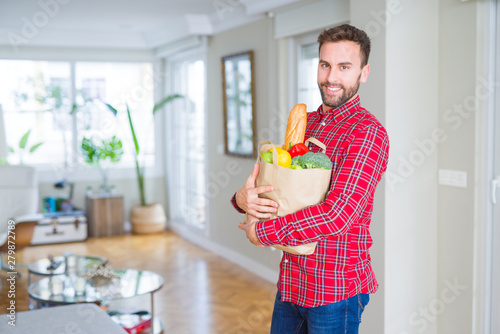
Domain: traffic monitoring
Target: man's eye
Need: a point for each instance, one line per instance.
(344, 67)
(325, 65)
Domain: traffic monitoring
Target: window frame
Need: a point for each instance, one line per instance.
(47, 173)
(295, 44)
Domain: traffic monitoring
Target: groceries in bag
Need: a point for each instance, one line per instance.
(304, 182)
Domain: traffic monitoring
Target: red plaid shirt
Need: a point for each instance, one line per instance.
(340, 267)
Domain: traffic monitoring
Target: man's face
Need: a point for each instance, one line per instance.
(340, 73)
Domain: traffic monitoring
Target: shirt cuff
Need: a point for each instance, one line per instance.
(235, 205)
(266, 232)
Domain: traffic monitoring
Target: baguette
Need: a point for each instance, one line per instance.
(296, 127)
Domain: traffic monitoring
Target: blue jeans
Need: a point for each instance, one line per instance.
(341, 317)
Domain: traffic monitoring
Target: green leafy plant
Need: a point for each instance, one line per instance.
(111, 149)
(140, 169)
(96, 154)
(23, 147)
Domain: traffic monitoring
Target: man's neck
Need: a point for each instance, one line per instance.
(327, 108)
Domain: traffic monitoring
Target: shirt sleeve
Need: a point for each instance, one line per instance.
(235, 205)
(353, 185)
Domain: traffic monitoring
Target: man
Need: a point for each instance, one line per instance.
(326, 292)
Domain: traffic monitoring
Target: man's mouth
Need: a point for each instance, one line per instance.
(333, 90)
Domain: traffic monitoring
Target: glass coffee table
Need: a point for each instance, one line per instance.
(43, 267)
(70, 289)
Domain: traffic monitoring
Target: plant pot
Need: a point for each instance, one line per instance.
(148, 219)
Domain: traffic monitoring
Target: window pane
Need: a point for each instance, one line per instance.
(118, 84)
(308, 91)
(36, 97)
(188, 201)
(239, 105)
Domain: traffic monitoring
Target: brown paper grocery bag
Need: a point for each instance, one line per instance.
(293, 189)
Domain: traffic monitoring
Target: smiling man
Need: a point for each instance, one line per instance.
(326, 292)
(342, 68)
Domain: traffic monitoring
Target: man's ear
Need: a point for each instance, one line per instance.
(364, 73)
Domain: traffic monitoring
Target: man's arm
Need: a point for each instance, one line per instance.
(353, 183)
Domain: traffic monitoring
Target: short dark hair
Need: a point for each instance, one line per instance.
(346, 32)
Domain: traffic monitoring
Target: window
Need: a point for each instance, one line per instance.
(35, 96)
(61, 102)
(307, 83)
(186, 143)
(98, 82)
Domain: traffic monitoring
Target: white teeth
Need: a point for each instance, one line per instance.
(333, 89)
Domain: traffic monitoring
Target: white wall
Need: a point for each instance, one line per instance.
(431, 70)
(411, 182)
(458, 79)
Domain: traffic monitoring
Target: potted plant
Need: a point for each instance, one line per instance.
(145, 217)
(110, 149)
(23, 148)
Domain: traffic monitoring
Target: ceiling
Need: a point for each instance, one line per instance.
(127, 24)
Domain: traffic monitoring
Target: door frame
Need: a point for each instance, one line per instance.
(488, 39)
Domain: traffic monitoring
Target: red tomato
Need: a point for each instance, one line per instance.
(298, 149)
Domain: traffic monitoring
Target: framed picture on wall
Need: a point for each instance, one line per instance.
(239, 104)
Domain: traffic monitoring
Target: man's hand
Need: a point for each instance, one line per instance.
(249, 229)
(247, 197)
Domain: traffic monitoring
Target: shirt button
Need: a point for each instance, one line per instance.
(323, 123)
(286, 260)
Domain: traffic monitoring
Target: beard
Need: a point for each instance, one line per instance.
(337, 101)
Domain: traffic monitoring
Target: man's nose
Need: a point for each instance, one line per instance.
(333, 76)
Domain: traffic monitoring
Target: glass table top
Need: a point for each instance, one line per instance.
(62, 289)
(82, 264)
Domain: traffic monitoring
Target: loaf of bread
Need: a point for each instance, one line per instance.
(296, 127)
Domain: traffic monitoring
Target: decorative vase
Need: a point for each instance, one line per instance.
(148, 219)
(105, 186)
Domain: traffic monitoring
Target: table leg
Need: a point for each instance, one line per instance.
(152, 306)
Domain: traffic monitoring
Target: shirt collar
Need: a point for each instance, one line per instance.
(342, 111)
